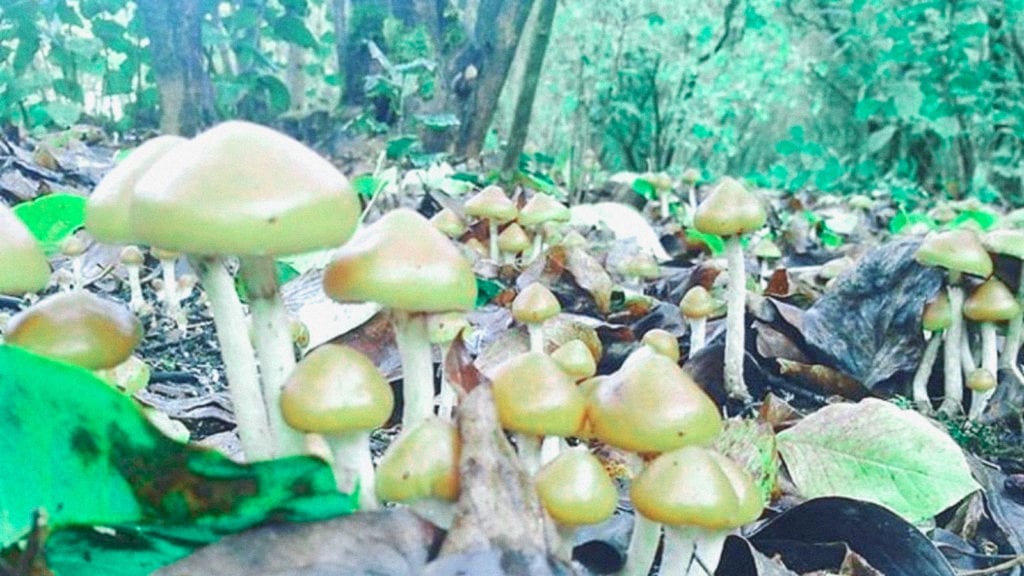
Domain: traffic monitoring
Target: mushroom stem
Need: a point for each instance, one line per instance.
(447, 398)
(954, 381)
(413, 341)
(353, 468)
(239, 359)
(643, 545)
(919, 386)
(536, 337)
(735, 331)
(529, 452)
(990, 362)
(550, 448)
(274, 348)
(536, 248)
(967, 362)
(137, 302)
(692, 551)
(698, 331)
(172, 304)
(492, 232)
(663, 200)
(1011, 348)
(693, 198)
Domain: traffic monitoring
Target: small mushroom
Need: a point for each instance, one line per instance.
(662, 342)
(421, 469)
(990, 303)
(697, 306)
(492, 205)
(575, 490)
(575, 359)
(540, 210)
(533, 306)
(512, 242)
(1010, 243)
(934, 320)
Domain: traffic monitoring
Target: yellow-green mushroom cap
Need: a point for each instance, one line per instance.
(243, 189)
(575, 489)
(955, 250)
(491, 203)
(937, 314)
(693, 487)
(690, 176)
(575, 359)
(449, 223)
(23, 266)
(336, 389)
(401, 261)
(730, 210)
(981, 380)
(78, 328)
(543, 208)
(423, 462)
(651, 405)
(991, 302)
(108, 209)
(535, 304)
(1005, 242)
(697, 303)
(534, 396)
(513, 239)
(662, 342)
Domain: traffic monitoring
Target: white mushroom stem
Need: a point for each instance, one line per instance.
(919, 386)
(954, 380)
(698, 332)
(77, 279)
(990, 362)
(492, 233)
(353, 467)
(692, 551)
(413, 341)
(529, 447)
(537, 247)
(663, 199)
(1011, 348)
(735, 327)
(446, 399)
(172, 305)
(239, 359)
(967, 363)
(693, 199)
(137, 302)
(643, 545)
(550, 448)
(536, 337)
(275, 350)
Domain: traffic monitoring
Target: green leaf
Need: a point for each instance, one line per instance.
(982, 218)
(401, 146)
(52, 218)
(64, 114)
(877, 452)
(911, 223)
(866, 108)
(292, 29)
(79, 449)
(486, 290)
(713, 242)
(878, 140)
(644, 188)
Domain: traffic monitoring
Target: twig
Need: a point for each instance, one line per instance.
(1001, 567)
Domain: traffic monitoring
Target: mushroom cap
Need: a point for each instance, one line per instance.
(78, 328)
(660, 181)
(697, 303)
(575, 489)
(981, 380)
(956, 250)
(513, 239)
(639, 264)
(443, 328)
(651, 405)
(1005, 242)
(543, 208)
(575, 359)
(108, 209)
(449, 223)
(690, 176)
(729, 210)
(534, 396)
(535, 304)
(23, 266)
(695, 486)
(243, 189)
(767, 250)
(662, 342)
(991, 302)
(336, 389)
(423, 462)
(402, 262)
(131, 255)
(491, 203)
(937, 314)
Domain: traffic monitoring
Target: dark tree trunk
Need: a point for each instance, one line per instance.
(339, 19)
(528, 90)
(174, 28)
(365, 22)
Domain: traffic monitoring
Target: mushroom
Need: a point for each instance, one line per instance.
(491, 204)
(449, 223)
(208, 199)
(132, 260)
(407, 265)
(697, 306)
(540, 210)
(766, 252)
(172, 301)
(78, 328)
(73, 248)
(934, 320)
(575, 359)
(533, 306)
(512, 241)
(575, 490)
(958, 251)
(990, 303)
(690, 178)
(662, 342)
(731, 211)
(23, 266)
(421, 469)
(661, 184)
(442, 329)
(337, 392)
(1010, 243)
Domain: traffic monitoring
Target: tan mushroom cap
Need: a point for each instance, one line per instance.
(543, 208)
(423, 462)
(662, 342)
(449, 223)
(697, 303)
(402, 262)
(131, 255)
(690, 176)
(491, 203)
(767, 249)
(78, 328)
(981, 380)
(535, 304)
(1005, 242)
(937, 314)
(729, 210)
(108, 209)
(575, 489)
(243, 189)
(991, 302)
(651, 405)
(575, 359)
(513, 239)
(695, 486)
(23, 266)
(534, 396)
(336, 389)
(955, 250)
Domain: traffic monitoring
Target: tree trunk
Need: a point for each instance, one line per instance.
(339, 19)
(174, 28)
(528, 90)
(365, 22)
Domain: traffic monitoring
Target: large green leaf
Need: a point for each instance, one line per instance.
(877, 452)
(83, 452)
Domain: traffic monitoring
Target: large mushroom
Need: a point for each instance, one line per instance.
(731, 211)
(990, 303)
(403, 263)
(23, 266)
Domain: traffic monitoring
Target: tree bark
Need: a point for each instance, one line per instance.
(365, 22)
(339, 19)
(174, 28)
(528, 90)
